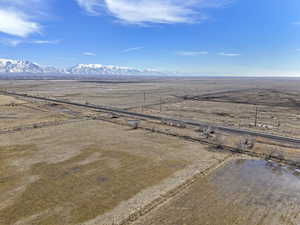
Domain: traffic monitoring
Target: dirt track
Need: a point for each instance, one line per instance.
(242, 192)
(101, 173)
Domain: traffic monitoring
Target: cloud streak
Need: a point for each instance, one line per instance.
(229, 54)
(91, 6)
(15, 42)
(296, 23)
(154, 11)
(89, 54)
(10, 42)
(49, 42)
(191, 53)
(132, 49)
(21, 18)
(15, 23)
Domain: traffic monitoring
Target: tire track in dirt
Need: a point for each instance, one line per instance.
(173, 193)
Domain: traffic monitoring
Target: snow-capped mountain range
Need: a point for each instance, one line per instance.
(14, 66)
(20, 66)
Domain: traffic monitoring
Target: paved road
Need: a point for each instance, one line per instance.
(146, 116)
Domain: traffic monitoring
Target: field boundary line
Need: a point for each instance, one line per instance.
(173, 193)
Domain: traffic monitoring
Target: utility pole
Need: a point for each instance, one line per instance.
(160, 104)
(144, 104)
(256, 109)
(256, 114)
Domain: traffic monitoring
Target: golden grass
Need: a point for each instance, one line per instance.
(5, 100)
(69, 192)
(9, 176)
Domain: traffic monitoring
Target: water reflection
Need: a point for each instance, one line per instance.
(243, 192)
(276, 168)
(263, 183)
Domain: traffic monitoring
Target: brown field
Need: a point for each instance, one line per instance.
(77, 172)
(230, 102)
(242, 192)
(7, 100)
(61, 164)
(22, 116)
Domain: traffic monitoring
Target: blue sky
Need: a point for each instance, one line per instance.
(207, 37)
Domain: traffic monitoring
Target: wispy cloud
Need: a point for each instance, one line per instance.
(131, 49)
(49, 42)
(191, 53)
(229, 54)
(89, 54)
(15, 23)
(10, 42)
(22, 18)
(296, 23)
(152, 11)
(93, 7)
(13, 42)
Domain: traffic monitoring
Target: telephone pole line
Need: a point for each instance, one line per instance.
(160, 104)
(144, 104)
(256, 114)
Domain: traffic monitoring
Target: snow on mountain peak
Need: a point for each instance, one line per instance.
(19, 66)
(89, 66)
(98, 69)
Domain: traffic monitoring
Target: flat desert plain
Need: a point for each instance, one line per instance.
(62, 164)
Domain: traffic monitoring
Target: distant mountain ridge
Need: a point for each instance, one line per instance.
(20, 66)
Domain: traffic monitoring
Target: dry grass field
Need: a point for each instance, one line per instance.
(61, 164)
(75, 173)
(242, 192)
(226, 101)
(277, 111)
(22, 116)
(7, 100)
